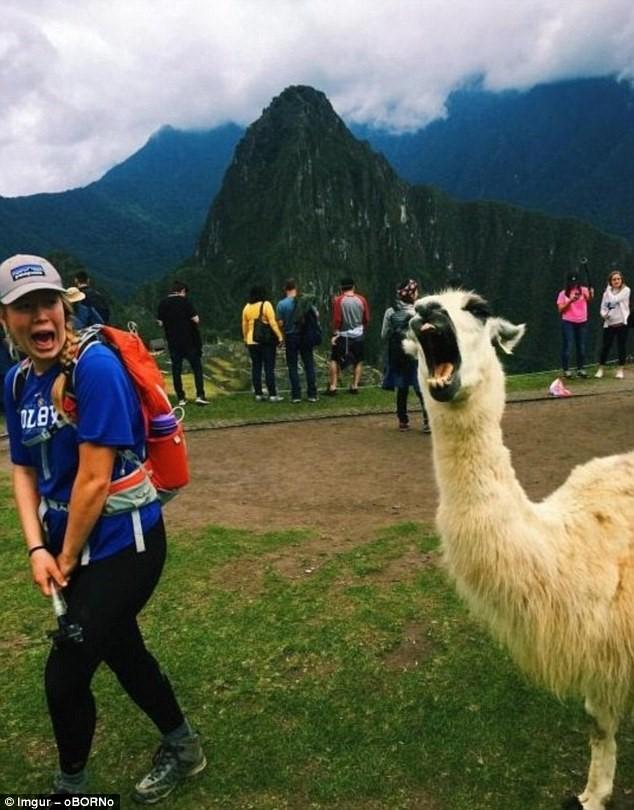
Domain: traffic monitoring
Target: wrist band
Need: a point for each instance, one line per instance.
(36, 548)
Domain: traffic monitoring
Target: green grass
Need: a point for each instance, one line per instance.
(232, 403)
(362, 684)
(240, 407)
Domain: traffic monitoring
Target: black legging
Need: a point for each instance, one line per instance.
(401, 404)
(609, 333)
(105, 597)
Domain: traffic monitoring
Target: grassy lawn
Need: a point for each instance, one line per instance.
(240, 407)
(361, 685)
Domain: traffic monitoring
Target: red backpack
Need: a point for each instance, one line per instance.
(166, 462)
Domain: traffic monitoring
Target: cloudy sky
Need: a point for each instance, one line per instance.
(84, 83)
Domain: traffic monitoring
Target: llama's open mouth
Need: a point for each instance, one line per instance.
(438, 341)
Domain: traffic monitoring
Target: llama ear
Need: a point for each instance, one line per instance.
(506, 334)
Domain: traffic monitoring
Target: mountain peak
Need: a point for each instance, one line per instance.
(300, 107)
(302, 96)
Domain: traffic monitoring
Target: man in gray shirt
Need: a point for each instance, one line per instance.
(350, 318)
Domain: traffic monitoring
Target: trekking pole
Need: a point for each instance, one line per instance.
(584, 262)
(66, 631)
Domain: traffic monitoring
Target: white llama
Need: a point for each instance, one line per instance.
(554, 581)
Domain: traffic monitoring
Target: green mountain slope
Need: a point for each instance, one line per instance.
(139, 220)
(566, 148)
(303, 197)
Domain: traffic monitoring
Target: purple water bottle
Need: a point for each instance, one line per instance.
(163, 425)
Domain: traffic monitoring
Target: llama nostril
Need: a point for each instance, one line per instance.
(426, 310)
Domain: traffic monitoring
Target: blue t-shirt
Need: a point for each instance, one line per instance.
(285, 312)
(108, 414)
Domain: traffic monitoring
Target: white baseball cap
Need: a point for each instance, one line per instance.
(20, 275)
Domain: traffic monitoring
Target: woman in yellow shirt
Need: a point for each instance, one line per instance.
(262, 354)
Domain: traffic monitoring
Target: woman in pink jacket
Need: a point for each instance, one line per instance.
(572, 304)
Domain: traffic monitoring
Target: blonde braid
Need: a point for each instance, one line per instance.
(66, 358)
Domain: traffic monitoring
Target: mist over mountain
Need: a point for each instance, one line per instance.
(565, 148)
(304, 198)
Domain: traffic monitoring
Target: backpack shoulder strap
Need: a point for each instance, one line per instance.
(87, 337)
(19, 380)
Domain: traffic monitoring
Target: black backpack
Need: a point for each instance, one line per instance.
(307, 324)
(398, 323)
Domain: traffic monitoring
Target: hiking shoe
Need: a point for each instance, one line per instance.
(171, 764)
(599, 374)
(65, 784)
(202, 401)
(296, 401)
(426, 427)
(620, 374)
(182, 402)
(567, 374)
(260, 398)
(312, 399)
(352, 390)
(330, 392)
(581, 372)
(276, 399)
(403, 425)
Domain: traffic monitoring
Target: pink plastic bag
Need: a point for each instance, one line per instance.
(558, 389)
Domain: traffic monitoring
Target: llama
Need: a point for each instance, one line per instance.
(554, 580)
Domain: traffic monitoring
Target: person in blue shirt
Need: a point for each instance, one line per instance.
(286, 312)
(91, 520)
(84, 315)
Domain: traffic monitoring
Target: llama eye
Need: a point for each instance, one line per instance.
(479, 308)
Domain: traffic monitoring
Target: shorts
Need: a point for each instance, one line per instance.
(347, 351)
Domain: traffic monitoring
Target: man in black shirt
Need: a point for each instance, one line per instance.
(179, 319)
(93, 297)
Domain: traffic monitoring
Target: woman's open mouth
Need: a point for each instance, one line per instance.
(43, 340)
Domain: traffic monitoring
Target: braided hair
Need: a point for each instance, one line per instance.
(66, 358)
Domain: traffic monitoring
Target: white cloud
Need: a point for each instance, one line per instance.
(85, 84)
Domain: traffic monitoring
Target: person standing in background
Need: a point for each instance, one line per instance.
(402, 369)
(291, 313)
(83, 314)
(350, 319)
(93, 297)
(615, 311)
(263, 355)
(179, 319)
(572, 305)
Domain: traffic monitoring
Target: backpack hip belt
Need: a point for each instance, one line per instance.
(126, 494)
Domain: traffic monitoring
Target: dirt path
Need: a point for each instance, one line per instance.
(347, 477)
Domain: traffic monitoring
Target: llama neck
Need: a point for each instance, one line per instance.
(473, 467)
(482, 512)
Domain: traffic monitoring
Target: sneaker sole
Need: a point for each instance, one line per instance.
(141, 799)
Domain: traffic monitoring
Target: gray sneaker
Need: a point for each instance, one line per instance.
(171, 763)
(70, 785)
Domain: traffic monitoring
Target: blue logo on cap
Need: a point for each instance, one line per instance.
(26, 271)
